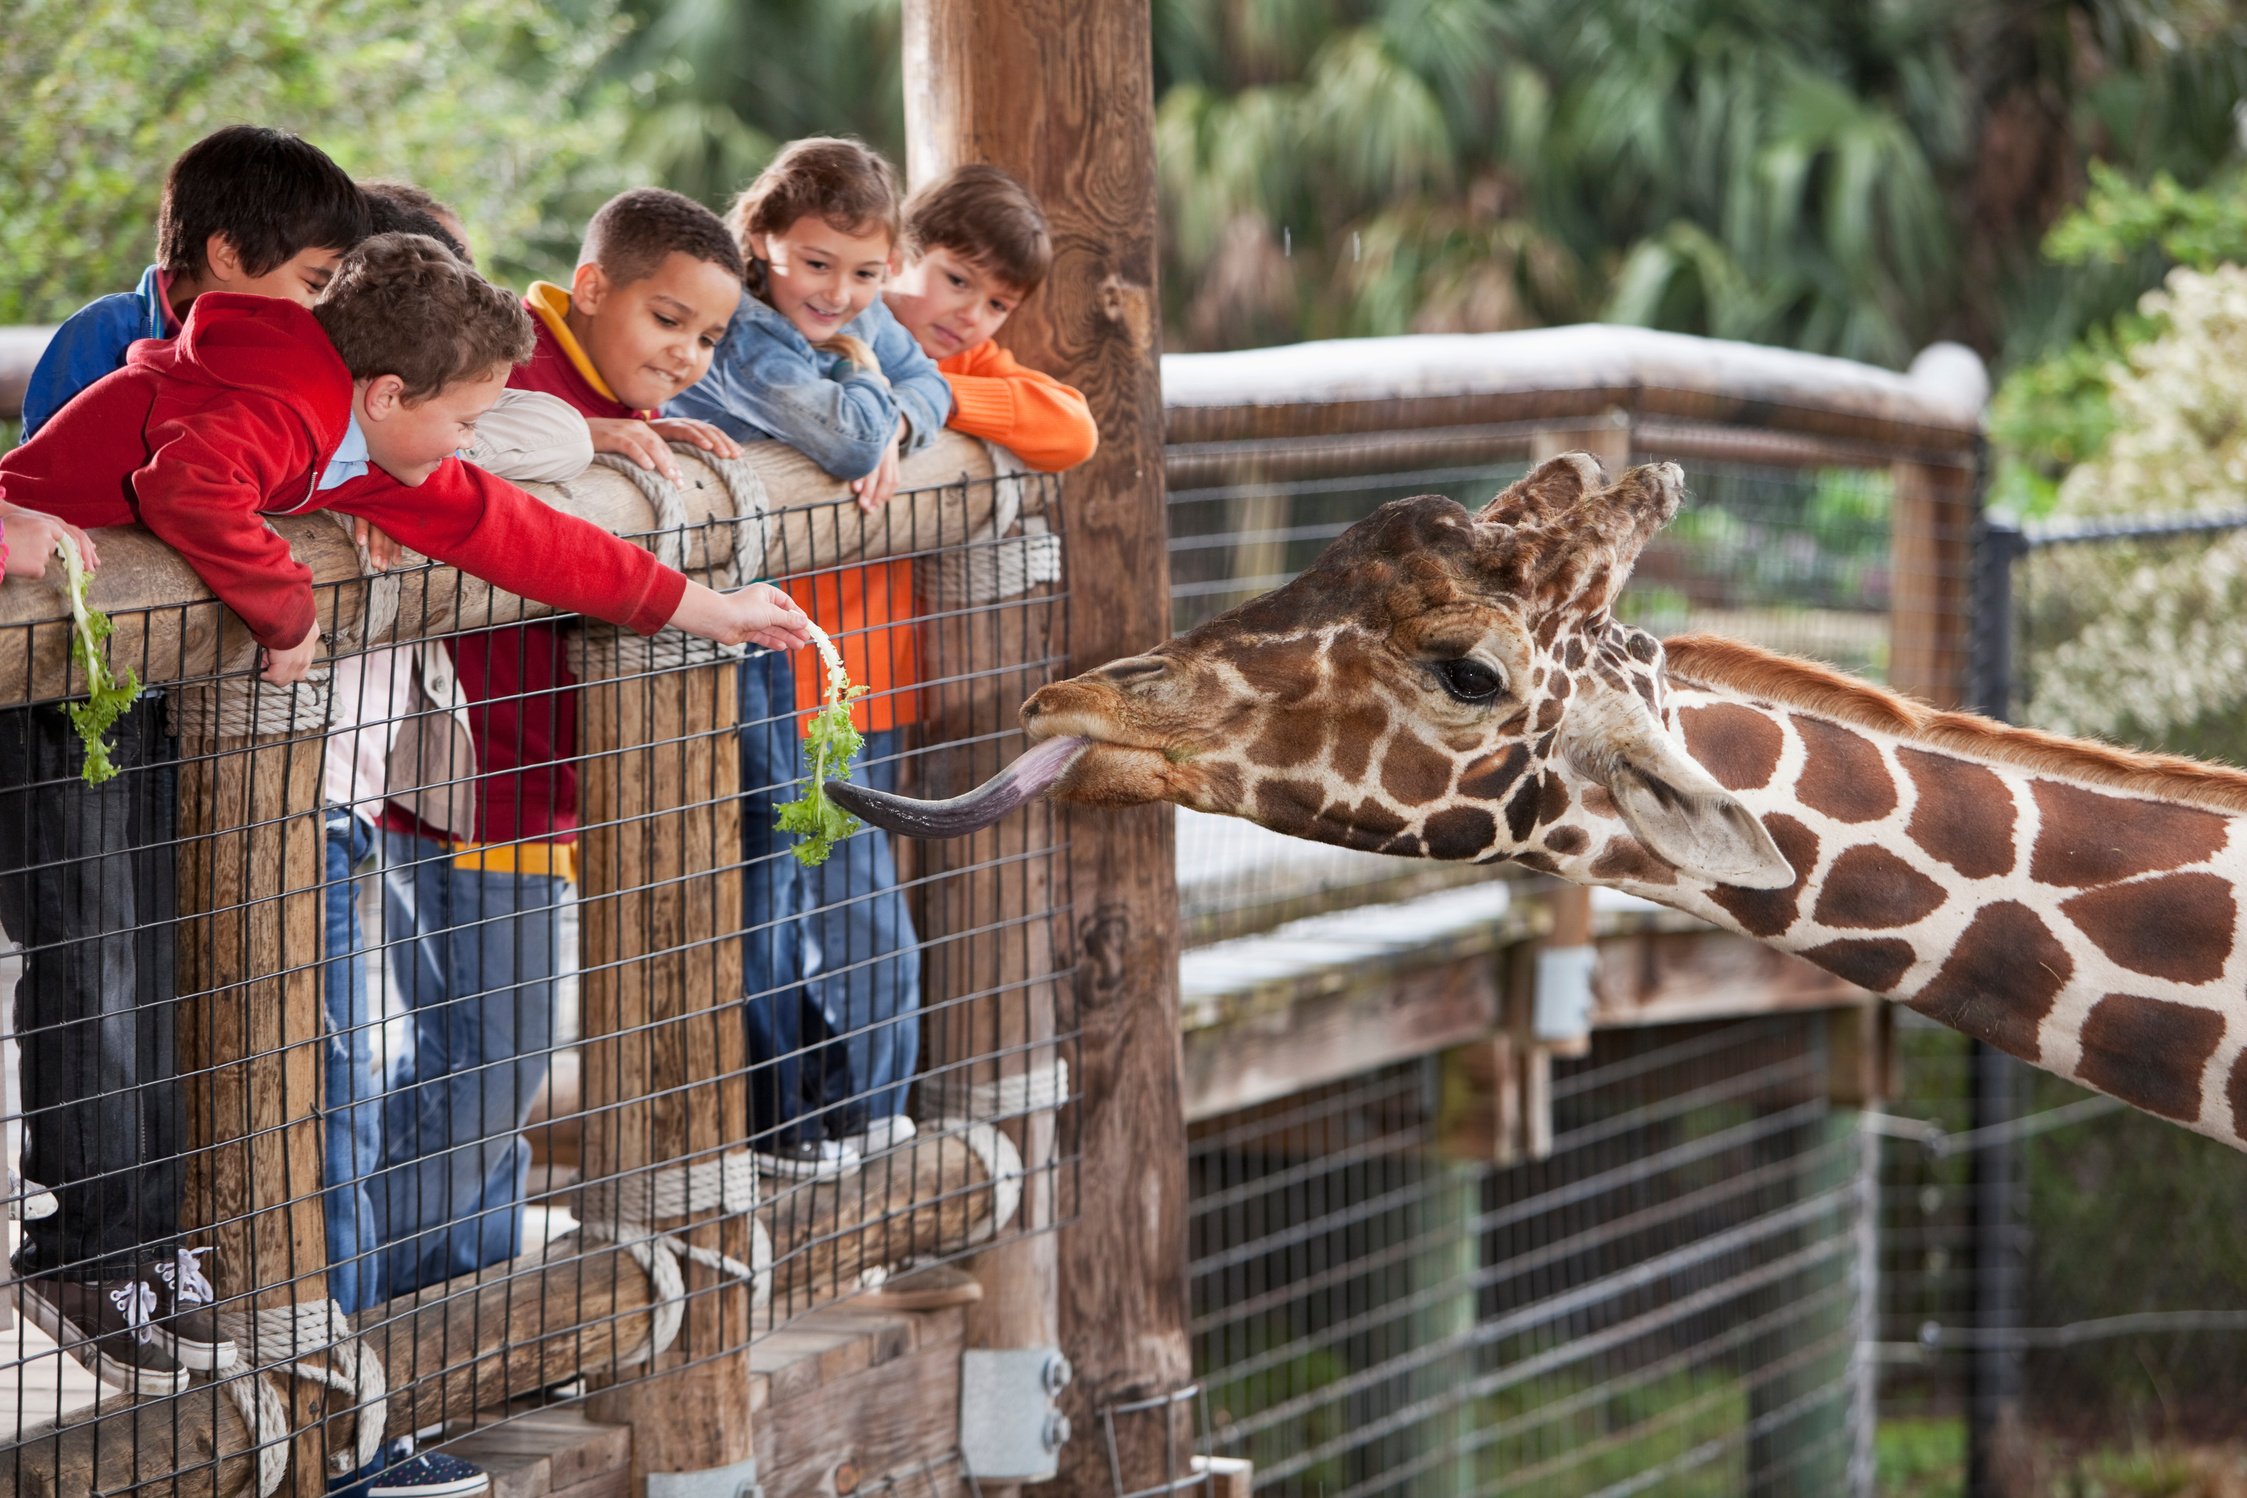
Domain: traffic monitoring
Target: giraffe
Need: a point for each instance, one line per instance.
(1455, 686)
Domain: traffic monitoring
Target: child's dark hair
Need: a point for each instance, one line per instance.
(634, 230)
(987, 218)
(404, 305)
(402, 208)
(271, 194)
(843, 182)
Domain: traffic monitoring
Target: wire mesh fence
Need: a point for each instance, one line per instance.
(456, 1035)
(1669, 1302)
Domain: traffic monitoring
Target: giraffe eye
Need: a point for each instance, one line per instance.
(1470, 680)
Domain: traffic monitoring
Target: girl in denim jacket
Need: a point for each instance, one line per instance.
(814, 359)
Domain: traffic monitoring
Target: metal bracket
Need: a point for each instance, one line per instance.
(736, 1481)
(1564, 992)
(1010, 1426)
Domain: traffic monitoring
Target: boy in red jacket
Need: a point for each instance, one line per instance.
(261, 408)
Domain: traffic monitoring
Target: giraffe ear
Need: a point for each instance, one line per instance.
(1688, 820)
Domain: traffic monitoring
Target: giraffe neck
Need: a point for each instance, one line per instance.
(2081, 915)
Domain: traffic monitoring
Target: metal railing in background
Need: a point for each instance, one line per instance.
(663, 1230)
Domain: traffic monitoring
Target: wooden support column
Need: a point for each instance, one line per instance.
(1062, 95)
(1931, 547)
(250, 865)
(660, 925)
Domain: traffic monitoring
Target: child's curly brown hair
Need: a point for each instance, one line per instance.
(404, 305)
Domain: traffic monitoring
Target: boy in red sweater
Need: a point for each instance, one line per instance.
(261, 408)
(472, 918)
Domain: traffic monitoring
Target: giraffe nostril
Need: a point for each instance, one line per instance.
(1136, 671)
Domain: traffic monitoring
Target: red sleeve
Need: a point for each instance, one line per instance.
(1026, 411)
(463, 516)
(200, 492)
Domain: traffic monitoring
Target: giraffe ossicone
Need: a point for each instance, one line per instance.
(1449, 685)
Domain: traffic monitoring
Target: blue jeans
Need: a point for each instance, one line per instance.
(778, 951)
(475, 954)
(352, 1114)
(868, 987)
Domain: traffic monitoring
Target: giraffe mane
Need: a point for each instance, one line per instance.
(1712, 661)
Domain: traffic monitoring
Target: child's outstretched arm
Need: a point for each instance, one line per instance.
(759, 614)
(27, 541)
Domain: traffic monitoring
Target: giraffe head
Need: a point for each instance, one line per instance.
(1438, 684)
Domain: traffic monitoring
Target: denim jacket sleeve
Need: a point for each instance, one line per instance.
(86, 347)
(922, 393)
(761, 385)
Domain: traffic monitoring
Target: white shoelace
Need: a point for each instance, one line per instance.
(185, 1276)
(136, 1302)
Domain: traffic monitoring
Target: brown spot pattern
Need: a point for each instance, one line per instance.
(2149, 1052)
(1842, 773)
(1878, 964)
(2238, 1091)
(1567, 840)
(2000, 980)
(1459, 832)
(1288, 805)
(1521, 811)
(1414, 772)
(1737, 745)
(2087, 837)
(1288, 740)
(1964, 816)
(1552, 799)
(1373, 817)
(2176, 927)
(1489, 779)
(1871, 889)
(1598, 802)
(1767, 912)
(1626, 858)
(1548, 715)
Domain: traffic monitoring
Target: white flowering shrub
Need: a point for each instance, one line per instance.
(2147, 642)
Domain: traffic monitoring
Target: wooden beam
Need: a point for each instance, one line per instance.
(1324, 1034)
(1662, 977)
(167, 628)
(852, 1397)
(565, 1309)
(1062, 95)
(1931, 553)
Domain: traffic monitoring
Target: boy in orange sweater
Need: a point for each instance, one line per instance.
(979, 247)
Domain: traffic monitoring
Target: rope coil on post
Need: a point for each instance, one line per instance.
(726, 1185)
(951, 1095)
(293, 1333)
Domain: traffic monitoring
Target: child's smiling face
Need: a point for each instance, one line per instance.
(652, 338)
(949, 303)
(820, 277)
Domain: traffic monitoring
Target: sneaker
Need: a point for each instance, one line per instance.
(186, 1327)
(108, 1327)
(430, 1474)
(883, 1134)
(813, 1160)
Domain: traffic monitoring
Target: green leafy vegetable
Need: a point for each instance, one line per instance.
(106, 696)
(832, 743)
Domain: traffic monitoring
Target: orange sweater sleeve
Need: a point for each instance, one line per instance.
(1033, 415)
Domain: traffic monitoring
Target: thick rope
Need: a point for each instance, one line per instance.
(993, 564)
(292, 1333)
(1002, 1165)
(951, 1095)
(600, 650)
(620, 1211)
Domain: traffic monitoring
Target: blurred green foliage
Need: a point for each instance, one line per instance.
(490, 104)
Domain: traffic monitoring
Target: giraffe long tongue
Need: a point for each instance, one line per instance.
(1027, 778)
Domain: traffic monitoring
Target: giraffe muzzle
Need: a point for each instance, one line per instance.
(1025, 780)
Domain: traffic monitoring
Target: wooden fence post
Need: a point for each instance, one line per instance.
(1062, 95)
(665, 1052)
(1931, 553)
(250, 867)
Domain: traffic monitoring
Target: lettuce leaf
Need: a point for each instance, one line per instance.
(107, 696)
(831, 744)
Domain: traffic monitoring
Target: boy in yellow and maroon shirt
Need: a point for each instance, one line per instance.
(638, 323)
